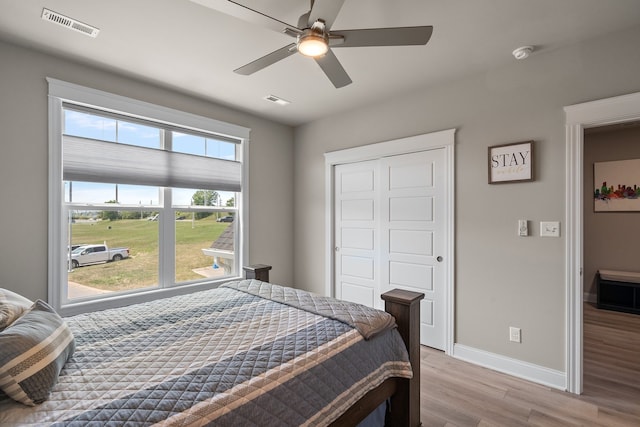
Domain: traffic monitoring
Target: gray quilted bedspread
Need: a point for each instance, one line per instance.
(368, 321)
(246, 354)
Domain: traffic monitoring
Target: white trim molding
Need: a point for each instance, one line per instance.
(442, 139)
(578, 117)
(517, 368)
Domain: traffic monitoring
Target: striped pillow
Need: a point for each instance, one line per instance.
(12, 306)
(33, 350)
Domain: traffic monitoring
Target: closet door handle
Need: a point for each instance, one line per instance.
(439, 259)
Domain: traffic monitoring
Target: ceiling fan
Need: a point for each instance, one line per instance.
(315, 39)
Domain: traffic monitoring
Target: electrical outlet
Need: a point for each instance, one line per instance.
(514, 334)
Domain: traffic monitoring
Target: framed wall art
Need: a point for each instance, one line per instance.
(616, 186)
(511, 162)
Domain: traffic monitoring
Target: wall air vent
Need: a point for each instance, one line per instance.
(70, 23)
(277, 100)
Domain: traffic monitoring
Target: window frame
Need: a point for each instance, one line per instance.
(68, 93)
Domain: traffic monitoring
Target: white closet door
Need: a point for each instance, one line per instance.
(356, 213)
(390, 233)
(412, 234)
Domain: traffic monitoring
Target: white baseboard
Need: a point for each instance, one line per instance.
(515, 367)
(592, 298)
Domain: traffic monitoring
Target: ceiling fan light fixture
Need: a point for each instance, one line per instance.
(312, 45)
(314, 38)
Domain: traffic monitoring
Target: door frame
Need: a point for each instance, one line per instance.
(578, 117)
(444, 139)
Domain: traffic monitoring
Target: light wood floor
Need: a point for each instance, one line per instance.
(456, 393)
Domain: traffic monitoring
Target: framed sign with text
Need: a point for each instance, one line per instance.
(511, 162)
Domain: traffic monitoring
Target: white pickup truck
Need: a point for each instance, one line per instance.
(93, 254)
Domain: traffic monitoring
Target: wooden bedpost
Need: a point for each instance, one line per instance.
(405, 307)
(257, 271)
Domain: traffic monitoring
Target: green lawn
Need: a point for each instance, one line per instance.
(141, 237)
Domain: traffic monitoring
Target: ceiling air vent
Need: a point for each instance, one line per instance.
(70, 23)
(277, 100)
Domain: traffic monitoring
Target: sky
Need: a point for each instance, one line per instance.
(87, 125)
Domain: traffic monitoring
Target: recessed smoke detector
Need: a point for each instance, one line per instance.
(277, 100)
(70, 23)
(522, 52)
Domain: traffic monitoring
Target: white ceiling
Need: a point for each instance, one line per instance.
(186, 46)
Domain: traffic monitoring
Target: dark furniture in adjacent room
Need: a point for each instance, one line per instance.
(618, 290)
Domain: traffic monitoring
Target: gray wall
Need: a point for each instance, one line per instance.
(611, 239)
(502, 280)
(24, 165)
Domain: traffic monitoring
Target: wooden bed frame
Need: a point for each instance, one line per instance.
(404, 393)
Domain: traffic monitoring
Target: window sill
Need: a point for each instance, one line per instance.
(103, 302)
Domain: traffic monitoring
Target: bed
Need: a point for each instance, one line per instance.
(247, 353)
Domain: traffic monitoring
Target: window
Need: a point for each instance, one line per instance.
(140, 200)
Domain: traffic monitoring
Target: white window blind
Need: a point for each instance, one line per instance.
(101, 161)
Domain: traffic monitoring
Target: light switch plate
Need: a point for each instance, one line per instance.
(549, 228)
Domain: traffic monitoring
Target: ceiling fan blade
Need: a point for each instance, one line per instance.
(333, 69)
(327, 10)
(245, 13)
(399, 36)
(267, 60)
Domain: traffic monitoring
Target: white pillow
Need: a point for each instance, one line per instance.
(12, 306)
